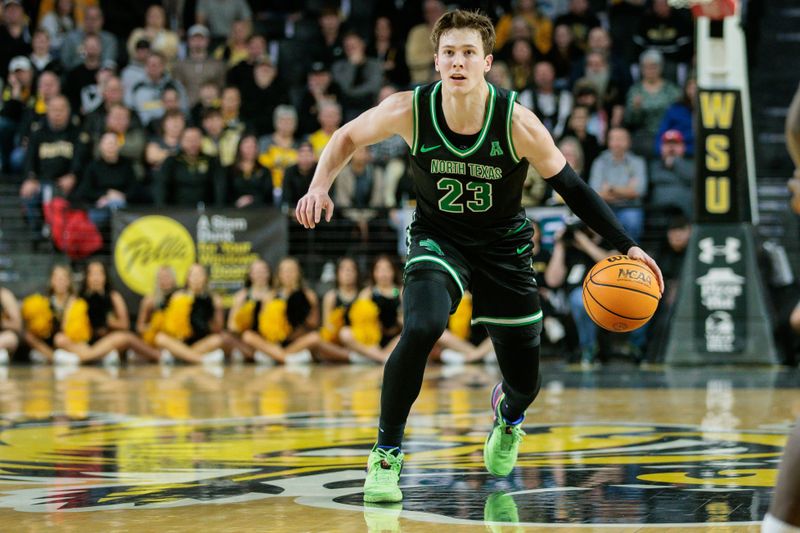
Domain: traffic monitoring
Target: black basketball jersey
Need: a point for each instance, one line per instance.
(468, 187)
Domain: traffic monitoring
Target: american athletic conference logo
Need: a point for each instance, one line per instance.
(644, 474)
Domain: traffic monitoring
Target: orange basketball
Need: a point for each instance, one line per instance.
(620, 294)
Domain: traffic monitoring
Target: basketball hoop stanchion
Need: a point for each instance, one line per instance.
(721, 314)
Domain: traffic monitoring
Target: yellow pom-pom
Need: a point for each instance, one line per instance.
(243, 318)
(460, 320)
(76, 321)
(177, 321)
(156, 325)
(273, 323)
(330, 331)
(38, 316)
(364, 319)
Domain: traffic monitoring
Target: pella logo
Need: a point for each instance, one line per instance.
(634, 275)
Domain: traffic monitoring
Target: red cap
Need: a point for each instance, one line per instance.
(672, 136)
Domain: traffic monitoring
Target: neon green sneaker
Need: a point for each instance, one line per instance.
(383, 474)
(502, 444)
(383, 517)
(500, 510)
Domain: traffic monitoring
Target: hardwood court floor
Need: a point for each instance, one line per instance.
(242, 448)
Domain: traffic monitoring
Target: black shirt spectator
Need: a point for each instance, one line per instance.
(243, 71)
(104, 174)
(261, 94)
(320, 87)
(249, 183)
(298, 177)
(15, 37)
(388, 50)
(84, 74)
(190, 177)
(581, 19)
(360, 77)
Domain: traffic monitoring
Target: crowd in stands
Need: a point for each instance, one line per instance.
(229, 103)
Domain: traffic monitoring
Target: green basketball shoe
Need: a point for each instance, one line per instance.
(500, 510)
(502, 444)
(383, 475)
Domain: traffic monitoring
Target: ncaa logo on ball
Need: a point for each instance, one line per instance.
(636, 276)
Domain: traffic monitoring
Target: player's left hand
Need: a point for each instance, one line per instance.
(640, 255)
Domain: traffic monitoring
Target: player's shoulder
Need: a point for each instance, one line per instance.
(399, 102)
(525, 125)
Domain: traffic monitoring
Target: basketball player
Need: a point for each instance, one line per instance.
(793, 146)
(470, 149)
(784, 512)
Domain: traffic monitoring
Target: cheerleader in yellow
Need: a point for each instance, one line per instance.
(43, 314)
(193, 321)
(288, 322)
(151, 308)
(10, 325)
(96, 324)
(456, 345)
(376, 317)
(246, 306)
(337, 302)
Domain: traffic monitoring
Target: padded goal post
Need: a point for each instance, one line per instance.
(721, 314)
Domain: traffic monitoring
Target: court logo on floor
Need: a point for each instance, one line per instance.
(568, 474)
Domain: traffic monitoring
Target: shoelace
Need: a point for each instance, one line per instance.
(392, 462)
(508, 440)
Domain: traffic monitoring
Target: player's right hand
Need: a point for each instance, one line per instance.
(309, 208)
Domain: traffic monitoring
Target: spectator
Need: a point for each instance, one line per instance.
(202, 342)
(84, 74)
(390, 155)
(92, 94)
(197, 68)
(620, 178)
(219, 16)
(261, 95)
(581, 19)
(190, 178)
(541, 25)
(155, 31)
(10, 325)
(607, 89)
(319, 88)
(576, 250)
(360, 184)
(219, 141)
(298, 176)
(145, 97)
(130, 137)
(58, 23)
(249, 183)
(680, 116)
(390, 51)
(552, 106)
(230, 105)
(242, 72)
(33, 118)
(577, 128)
(235, 49)
(55, 155)
(135, 72)
(564, 54)
(520, 64)
(358, 76)
(586, 96)
(623, 18)
(620, 72)
(166, 144)
(330, 118)
(95, 122)
(106, 182)
(419, 49)
(15, 37)
(40, 57)
(279, 150)
(672, 176)
(327, 46)
(500, 76)
(17, 95)
(573, 153)
(520, 30)
(208, 97)
(92, 25)
(670, 32)
(647, 102)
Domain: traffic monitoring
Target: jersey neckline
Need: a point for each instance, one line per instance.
(487, 121)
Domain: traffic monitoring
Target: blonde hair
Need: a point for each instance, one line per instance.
(461, 19)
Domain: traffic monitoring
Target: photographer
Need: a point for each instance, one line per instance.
(576, 251)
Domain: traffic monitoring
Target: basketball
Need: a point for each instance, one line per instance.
(620, 294)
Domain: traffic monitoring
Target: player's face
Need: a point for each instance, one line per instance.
(460, 60)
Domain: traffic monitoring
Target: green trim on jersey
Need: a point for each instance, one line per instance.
(415, 127)
(441, 262)
(519, 321)
(511, 99)
(487, 121)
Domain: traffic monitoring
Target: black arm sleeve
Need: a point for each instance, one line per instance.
(586, 203)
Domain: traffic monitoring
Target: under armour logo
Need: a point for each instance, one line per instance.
(709, 250)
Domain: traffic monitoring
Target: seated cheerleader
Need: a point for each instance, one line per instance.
(246, 306)
(376, 317)
(458, 342)
(192, 322)
(288, 322)
(43, 314)
(337, 302)
(96, 324)
(151, 308)
(10, 325)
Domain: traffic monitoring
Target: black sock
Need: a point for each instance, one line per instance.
(390, 436)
